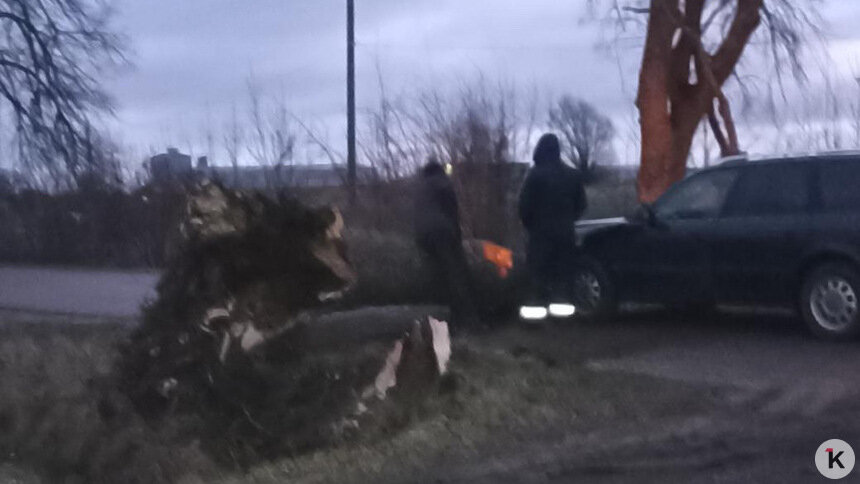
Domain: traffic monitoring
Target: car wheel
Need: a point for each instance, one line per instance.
(829, 301)
(593, 290)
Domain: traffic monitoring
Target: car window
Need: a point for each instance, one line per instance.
(699, 197)
(770, 190)
(840, 186)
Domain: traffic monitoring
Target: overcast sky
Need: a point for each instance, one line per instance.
(193, 57)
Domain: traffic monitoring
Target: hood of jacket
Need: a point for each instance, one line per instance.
(547, 151)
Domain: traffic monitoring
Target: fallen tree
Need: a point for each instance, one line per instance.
(224, 348)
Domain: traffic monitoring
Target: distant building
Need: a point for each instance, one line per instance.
(268, 177)
(170, 166)
(175, 166)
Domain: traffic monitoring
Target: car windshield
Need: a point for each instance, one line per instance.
(699, 197)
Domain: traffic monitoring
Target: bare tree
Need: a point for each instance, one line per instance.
(271, 140)
(53, 56)
(478, 123)
(820, 120)
(258, 136)
(692, 47)
(208, 134)
(233, 143)
(587, 134)
(479, 128)
(282, 141)
(103, 167)
(393, 146)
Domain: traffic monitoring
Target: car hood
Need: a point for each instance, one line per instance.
(589, 225)
(586, 227)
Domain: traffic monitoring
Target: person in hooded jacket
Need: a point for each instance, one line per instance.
(438, 236)
(551, 200)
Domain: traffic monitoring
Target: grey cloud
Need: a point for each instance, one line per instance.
(193, 57)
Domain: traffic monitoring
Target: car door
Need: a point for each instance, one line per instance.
(835, 219)
(668, 260)
(759, 238)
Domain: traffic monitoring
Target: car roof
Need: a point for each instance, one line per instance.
(745, 160)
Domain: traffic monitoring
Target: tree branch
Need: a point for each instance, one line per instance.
(641, 10)
(686, 45)
(747, 19)
(51, 50)
(713, 85)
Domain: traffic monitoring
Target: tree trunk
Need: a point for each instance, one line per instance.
(670, 106)
(657, 170)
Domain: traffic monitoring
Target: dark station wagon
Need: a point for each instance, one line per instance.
(781, 231)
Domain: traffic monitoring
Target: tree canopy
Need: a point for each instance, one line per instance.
(587, 133)
(54, 55)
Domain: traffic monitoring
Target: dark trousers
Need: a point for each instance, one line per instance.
(551, 258)
(451, 277)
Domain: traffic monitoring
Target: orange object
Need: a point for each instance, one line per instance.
(499, 256)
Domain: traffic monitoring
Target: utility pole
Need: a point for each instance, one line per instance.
(350, 97)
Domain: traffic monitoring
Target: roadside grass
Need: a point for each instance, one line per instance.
(505, 399)
(498, 398)
(62, 421)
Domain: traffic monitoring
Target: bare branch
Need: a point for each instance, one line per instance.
(747, 19)
(642, 10)
(587, 134)
(54, 54)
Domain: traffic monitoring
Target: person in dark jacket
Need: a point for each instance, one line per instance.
(438, 235)
(551, 201)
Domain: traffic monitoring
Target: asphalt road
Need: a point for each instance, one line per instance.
(75, 291)
(778, 393)
(764, 358)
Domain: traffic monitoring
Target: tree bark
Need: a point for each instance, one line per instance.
(670, 104)
(653, 103)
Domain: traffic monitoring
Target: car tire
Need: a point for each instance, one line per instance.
(593, 291)
(829, 301)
